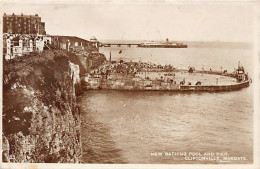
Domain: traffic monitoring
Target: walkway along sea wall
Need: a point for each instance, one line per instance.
(41, 120)
(215, 87)
(137, 83)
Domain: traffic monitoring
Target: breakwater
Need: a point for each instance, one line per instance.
(215, 87)
(41, 119)
(177, 80)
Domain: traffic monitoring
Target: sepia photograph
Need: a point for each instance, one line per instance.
(145, 84)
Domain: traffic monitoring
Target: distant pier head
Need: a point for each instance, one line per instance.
(148, 44)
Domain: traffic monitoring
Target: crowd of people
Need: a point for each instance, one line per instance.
(129, 68)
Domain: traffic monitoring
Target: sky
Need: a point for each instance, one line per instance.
(211, 21)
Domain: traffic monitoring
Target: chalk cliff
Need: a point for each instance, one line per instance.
(41, 120)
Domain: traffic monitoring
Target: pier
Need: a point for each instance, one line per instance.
(119, 44)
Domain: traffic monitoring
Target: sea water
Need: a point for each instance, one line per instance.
(167, 127)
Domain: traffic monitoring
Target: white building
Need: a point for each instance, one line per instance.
(18, 45)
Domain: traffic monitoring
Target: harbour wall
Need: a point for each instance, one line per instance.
(41, 119)
(136, 83)
(215, 87)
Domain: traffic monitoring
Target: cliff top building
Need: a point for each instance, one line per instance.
(23, 24)
(73, 43)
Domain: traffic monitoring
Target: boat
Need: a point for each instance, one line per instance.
(166, 44)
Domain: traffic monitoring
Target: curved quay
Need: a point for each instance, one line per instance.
(107, 84)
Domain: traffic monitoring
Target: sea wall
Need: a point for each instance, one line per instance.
(215, 87)
(41, 120)
(138, 83)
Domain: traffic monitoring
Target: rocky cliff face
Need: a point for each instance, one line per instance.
(41, 120)
(94, 60)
